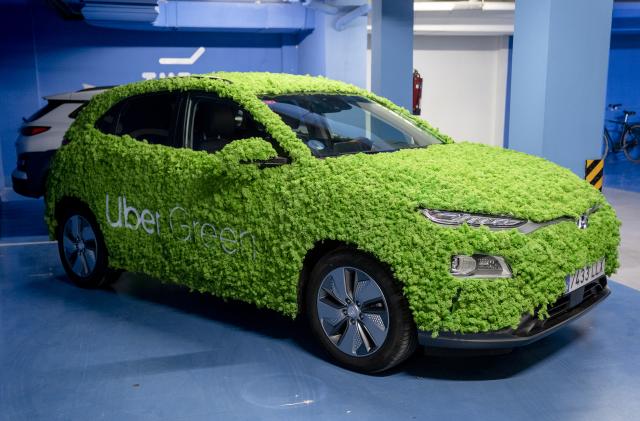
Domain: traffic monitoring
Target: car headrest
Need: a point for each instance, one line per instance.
(221, 120)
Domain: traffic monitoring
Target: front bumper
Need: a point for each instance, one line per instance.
(568, 308)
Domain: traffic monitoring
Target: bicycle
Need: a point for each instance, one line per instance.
(629, 139)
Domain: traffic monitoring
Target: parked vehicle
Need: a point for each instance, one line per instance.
(313, 197)
(41, 135)
(629, 136)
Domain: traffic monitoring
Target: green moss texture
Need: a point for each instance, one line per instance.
(242, 232)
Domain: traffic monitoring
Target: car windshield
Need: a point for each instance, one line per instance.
(332, 125)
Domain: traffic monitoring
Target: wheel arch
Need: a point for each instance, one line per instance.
(64, 204)
(320, 249)
(70, 202)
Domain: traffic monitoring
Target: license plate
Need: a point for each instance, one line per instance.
(583, 276)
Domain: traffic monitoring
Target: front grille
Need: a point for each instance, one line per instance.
(561, 309)
(568, 301)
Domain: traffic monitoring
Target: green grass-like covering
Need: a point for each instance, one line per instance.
(368, 200)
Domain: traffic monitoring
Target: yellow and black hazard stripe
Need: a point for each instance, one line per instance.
(594, 172)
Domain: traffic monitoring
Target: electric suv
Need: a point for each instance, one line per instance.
(312, 197)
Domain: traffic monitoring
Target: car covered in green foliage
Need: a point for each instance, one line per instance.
(313, 197)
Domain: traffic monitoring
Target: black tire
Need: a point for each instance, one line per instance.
(85, 275)
(631, 143)
(401, 334)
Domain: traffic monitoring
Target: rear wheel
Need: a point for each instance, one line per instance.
(358, 312)
(631, 143)
(82, 249)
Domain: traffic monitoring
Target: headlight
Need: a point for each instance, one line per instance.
(476, 220)
(479, 266)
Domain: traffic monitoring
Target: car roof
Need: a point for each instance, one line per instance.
(81, 95)
(264, 83)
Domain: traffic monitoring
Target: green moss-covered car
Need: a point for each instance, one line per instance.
(311, 196)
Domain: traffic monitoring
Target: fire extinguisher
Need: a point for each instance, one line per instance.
(417, 92)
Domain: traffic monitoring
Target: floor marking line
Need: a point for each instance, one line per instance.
(26, 243)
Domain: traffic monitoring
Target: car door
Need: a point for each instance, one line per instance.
(136, 167)
(218, 244)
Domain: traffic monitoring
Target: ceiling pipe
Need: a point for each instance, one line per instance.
(347, 13)
(320, 6)
(344, 20)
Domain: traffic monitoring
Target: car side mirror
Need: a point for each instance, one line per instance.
(236, 155)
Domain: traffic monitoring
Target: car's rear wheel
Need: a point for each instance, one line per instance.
(82, 249)
(358, 312)
(631, 143)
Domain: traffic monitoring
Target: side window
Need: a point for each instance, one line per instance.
(107, 123)
(74, 113)
(217, 122)
(146, 117)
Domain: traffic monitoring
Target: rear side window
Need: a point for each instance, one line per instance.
(107, 123)
(75, 112)
(51, 105)
(149, 117)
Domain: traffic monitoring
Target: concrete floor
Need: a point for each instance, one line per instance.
(627, 206)
(144, 350)
(622, 189)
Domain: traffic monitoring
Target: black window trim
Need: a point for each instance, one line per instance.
(176, 137)
(191, 98)
(74, 114)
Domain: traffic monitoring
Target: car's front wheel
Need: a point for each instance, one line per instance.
(358, 312)
(82, 249)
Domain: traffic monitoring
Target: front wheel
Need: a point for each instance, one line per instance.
(358, 313)
(631, 143)
(82, 249)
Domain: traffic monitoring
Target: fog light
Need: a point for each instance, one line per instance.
(479, 266)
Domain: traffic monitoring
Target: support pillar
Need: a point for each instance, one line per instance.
(392, 50)
(559, 77)
(339, 54)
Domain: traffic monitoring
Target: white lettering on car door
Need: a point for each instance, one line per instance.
(182, 227)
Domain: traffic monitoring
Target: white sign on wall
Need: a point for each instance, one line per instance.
(184, 61)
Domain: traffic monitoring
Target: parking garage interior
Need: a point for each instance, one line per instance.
(536, 76)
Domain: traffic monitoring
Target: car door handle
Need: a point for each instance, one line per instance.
(267, 163)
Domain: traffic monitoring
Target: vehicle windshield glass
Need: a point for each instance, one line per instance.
(333, 125)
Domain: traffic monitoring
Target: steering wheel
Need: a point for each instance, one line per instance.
(365, 141)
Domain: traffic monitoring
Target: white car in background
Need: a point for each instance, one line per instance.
(41, 135)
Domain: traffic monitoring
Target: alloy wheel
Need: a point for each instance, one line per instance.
(80, 245)
(353, 311)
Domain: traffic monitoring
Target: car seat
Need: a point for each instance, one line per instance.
(214, 127)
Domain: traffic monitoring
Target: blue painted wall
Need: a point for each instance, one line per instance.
(42, 54)
(624, 77)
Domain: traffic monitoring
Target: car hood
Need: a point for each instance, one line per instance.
(473, 178)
